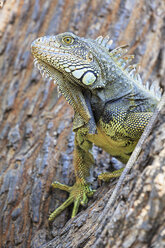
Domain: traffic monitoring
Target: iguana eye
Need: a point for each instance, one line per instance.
(68, 40)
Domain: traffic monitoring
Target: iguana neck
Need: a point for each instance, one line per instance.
(115, 89)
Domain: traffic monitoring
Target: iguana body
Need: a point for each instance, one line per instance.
(111, 105)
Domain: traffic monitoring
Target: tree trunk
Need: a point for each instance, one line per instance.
(37, 141)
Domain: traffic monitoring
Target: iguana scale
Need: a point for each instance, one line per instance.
(111, 105)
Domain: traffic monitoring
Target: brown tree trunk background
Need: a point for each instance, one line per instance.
(36, 138)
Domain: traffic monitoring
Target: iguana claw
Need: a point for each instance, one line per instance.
(79, 194)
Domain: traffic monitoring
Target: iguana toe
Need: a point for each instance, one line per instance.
(79, 194)
(108, 175)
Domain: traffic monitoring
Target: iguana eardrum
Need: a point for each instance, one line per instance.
(112, 106)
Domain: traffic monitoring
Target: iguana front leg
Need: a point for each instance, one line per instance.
(82, 161)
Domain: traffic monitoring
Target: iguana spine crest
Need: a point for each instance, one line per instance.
(123, 61)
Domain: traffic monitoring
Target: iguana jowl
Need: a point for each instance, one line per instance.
(111, 105)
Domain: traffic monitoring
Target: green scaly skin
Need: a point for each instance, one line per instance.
(111, 105)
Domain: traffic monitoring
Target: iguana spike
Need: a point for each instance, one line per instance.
(109, 44)
(119, 51)
(135, 67)
(128, 58)
(129, 68)
(121, 62)
(124, 61)
(147, 85)
(138, 78)
(133, 73)
(99, 39)
(154, 89)
(104, 41)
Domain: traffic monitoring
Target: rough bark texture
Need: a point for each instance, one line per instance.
(36, 138)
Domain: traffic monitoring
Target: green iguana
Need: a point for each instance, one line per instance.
(111, 105)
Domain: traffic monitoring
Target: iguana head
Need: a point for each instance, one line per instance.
(84, 62)
(74, 57)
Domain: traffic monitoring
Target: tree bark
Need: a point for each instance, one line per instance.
(37, 141)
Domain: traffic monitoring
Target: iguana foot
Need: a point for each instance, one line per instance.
(79, 194)
(108, 175)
